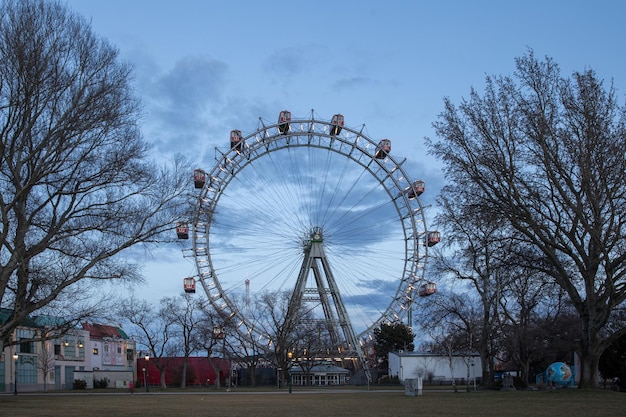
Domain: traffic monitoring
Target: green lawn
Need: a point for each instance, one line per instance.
(172, 403)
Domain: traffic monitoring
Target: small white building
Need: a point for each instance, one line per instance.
(434, 368)
(319, 374)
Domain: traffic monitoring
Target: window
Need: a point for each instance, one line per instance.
(57, 350)
(69, 343)
(27, 370)
(26, 346)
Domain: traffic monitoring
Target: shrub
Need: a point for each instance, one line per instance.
(101, 383)
(520, 382)
(80, 384)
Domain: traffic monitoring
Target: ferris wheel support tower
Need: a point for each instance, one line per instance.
(323, 290)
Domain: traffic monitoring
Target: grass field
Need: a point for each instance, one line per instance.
(571, 403)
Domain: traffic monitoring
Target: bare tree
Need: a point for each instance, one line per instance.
(312, 345)
(531, 307)
(281, 317)
(547, 154)
(45, 363)
(214, 332)
(251, 350)
(184, 314)
(77, 191)
(477, 252)
(152, 329)
(454, 325)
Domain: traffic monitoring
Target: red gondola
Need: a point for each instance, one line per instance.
(236, 140)
(199, 177)
(383, 149)
(433, 238)
(189, 284)
(336, 124)
(417, 189)
(283, 121)
(182, 230)
(427, 289)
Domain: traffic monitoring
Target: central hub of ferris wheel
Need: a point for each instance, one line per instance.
(317, 289)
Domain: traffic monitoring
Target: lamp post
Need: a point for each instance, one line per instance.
(15, 358)
(145, 373)
(290, 357)
(473, 374)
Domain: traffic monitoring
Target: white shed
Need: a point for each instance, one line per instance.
(434, 367)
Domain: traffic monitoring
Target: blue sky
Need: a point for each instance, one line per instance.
(203, 68)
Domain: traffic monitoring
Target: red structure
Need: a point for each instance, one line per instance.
(283, 121)
(199, 371)
(189, 285)
(337, 124)
(427, 289)
(182, 230)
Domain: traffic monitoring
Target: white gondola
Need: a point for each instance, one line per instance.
(336, 124)
(427, 289)
(218, 332)
(199, 178)
(284, 118)
(433, 238)
(189, 285)
(383, 149)
(182, 230)
(417, 189)
(236, 140)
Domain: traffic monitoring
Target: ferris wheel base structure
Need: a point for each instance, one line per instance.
(316, 283)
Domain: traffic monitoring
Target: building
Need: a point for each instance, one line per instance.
(434, 368)
(56, 360)
(38, 365)
(200, 371)
(59, 359)
(319, 374)
(112, 357)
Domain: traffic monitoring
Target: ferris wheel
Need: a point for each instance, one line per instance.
(316, 208)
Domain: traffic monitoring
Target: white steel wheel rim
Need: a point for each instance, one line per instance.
(223, 235)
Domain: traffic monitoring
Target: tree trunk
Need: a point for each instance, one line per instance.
(591, 351)
(183, 376)
(216, 372)
(252, 375)
(162, 377)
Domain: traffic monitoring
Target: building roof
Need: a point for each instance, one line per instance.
(320, 369)
(101, 331)
(6, 313)
(402, 353)
(49, 321)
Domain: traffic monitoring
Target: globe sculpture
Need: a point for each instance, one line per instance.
(559, 373)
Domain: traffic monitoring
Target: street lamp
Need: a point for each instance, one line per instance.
(15, 358)
(290, 357)
(473, 374)
(145, 373)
